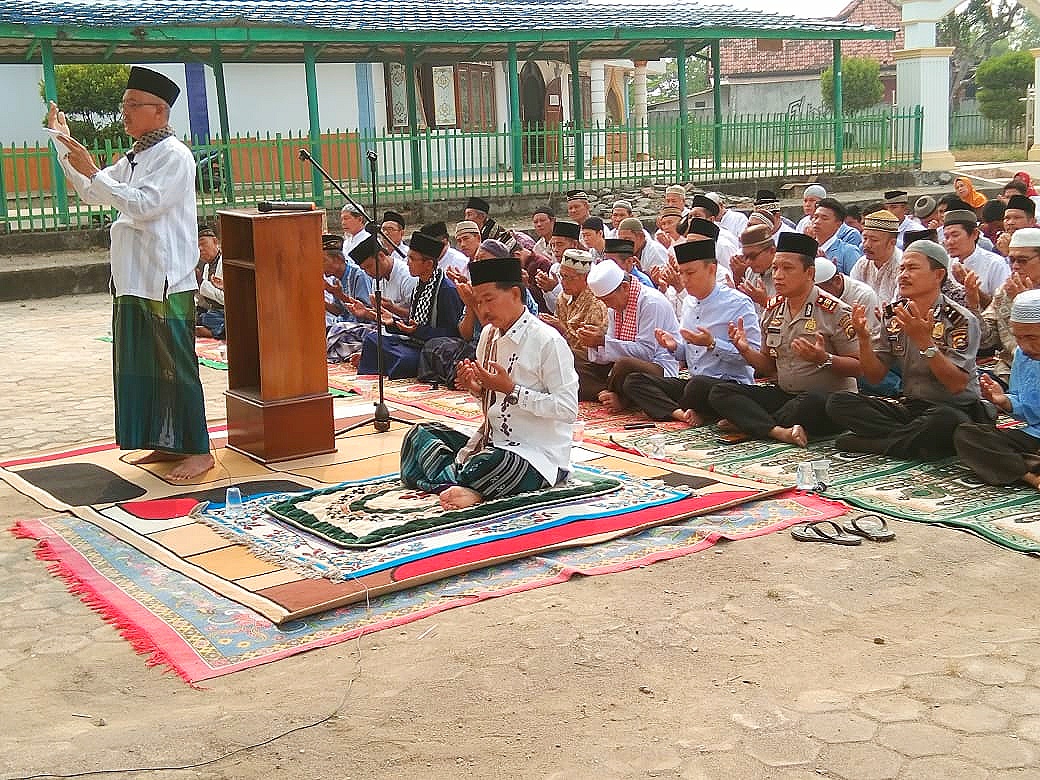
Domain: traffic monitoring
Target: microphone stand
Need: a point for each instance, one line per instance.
(381, 418)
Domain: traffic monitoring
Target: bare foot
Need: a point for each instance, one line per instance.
(1032, 479)
(203, 331)
(156, 456)
(190, 467)
(794, 435)
(458, 497)
(689, 417)
(610, 400)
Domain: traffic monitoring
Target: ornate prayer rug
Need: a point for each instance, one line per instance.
(182, 625)
(375, 512)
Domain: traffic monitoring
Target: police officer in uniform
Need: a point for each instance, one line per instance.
(934, 341)
(809, 346)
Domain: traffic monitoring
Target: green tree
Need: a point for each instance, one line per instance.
(861, 86)
(90, 95)
(666, 85)
(978, 30)
(1002, 83)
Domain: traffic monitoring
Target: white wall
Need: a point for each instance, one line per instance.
(22, 119)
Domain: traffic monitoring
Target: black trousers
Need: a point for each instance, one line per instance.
(905, 429)
(757, 409)
(594, 378)
(659, 396)
(999, 457)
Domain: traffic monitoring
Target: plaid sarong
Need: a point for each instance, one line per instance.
(158, 394)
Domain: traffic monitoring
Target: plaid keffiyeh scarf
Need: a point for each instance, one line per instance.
(626, 323)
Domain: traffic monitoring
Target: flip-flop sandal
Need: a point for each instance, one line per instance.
(872, 527)
(818, 532)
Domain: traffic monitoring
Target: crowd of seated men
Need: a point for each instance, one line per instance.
(903, 328)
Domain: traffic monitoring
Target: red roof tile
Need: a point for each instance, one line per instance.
(742, 57)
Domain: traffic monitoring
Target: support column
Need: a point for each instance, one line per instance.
(640, 115)
(50, 92)
(1034, 150)
(310, 58)
(225, 126)
(576, 118)
(598, 137)
(716, 95)
(516, 136)
(413, 117)
(923, 79)
(839, 109)
(684, 114)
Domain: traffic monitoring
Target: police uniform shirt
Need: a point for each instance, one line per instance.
(956, 333)
(821, 314)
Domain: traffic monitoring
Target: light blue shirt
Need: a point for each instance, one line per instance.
(1025, 391)
(850, 235)
(841, 254)
(714, 313)
(357, 284)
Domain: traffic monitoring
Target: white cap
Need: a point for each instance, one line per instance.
(714, 196)
(815, 191)
(1026, 307)
(825, 270)
(605, 277)
(1026, 237)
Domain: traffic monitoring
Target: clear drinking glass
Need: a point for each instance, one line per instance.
(233, 502)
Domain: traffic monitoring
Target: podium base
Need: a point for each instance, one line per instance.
(271, 431)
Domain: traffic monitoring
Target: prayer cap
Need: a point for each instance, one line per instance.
(1026, 307)
(545, 210)
(605, 277)
(623, 204)
(714, 197)
(924, 206)
(631, 223)
(929, 249)
(393, 216)
(1022, 203)
(815, 191)
(466, 226)
(479, 204)
(896, 196)
(883, 220)
(671, 211)
(577, 195)
(366, 249)
(565, 229)
(928, 234)
(332, 241)
(153, 83)
(703, 227)
(688, 251)
(953, 203)
(207, 230)
(763, 197)
(495, 248)
(578, 260)
(706, 203)
(754, 235)
(435, 229)
(825, 270)
(761, 217)
(798, 244)
(426, 245)
(676, 189)
(962, 217)
(497, 269)
(1026, 237)
(993, 211)
(593, 223)
(619, 246)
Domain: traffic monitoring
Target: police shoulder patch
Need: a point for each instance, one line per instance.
(828, 303)
(958, 337)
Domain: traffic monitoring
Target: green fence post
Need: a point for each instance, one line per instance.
(716, 89)
(227, 180)
(310, 59)
(516, 151)
(918, 134)
(684, 113)
(576, 117)
(413, 117)
(50, 91)
(839, 110)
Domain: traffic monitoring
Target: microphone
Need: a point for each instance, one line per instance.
(372, 156)
(266, 206)
(304, 154)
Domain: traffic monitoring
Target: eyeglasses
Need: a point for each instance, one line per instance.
(132, 104)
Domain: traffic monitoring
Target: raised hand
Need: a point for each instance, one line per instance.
(738, 266)
(592, 336)
(738, 337)
(959, 271)
(916, 325)
(699, 336)
(1017, 283)
(495, 377)
(810, 350)
(859, 320)
(665, 339)
(547, 281)
(56, 120)
(755, 289)
(466, 377)
(972, 291)
(993, 392)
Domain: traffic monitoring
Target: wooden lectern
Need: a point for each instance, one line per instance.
(278, 404)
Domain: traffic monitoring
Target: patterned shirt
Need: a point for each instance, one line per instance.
(572, 313)
(996, 332)
(883, 280)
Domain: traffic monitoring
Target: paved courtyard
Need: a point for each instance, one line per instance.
(759, 659)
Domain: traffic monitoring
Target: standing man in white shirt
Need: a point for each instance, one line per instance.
(353, 223)
(158, 395)
(525, 380)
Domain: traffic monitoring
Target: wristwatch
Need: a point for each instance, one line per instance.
(826, 363)
(514, 396)
(931, 352)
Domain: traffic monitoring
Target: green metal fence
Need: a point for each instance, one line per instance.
(976, 130)
(455, 163)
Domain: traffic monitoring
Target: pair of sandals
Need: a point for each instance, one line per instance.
(873, 528)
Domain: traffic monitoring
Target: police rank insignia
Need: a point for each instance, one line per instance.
(938, 330)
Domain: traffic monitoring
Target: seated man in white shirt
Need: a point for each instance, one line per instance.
(524, 377)
(209, 315)
(960, 237)
(726, 244)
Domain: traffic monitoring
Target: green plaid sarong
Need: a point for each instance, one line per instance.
(158, 394)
